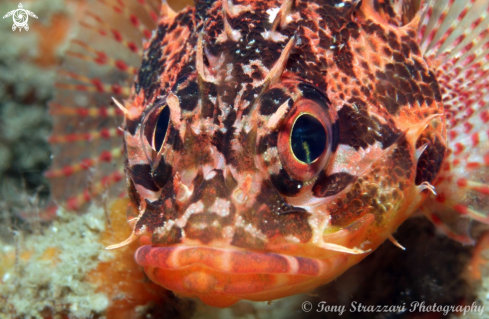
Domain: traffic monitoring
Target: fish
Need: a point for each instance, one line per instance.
(268, 146)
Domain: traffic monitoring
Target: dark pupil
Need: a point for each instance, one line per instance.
(308, 138)
(161, 128)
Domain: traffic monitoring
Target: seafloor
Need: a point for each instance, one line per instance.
(47, 270)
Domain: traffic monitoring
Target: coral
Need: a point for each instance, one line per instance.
(49, 274)
(66, 270)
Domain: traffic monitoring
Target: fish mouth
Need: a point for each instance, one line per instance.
(222, 276)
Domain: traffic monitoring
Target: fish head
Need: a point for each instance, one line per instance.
(270, 145)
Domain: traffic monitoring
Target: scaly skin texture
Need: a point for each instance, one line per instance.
(225, 209)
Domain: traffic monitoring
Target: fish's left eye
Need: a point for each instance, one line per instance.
(304, 140)
(308, 138)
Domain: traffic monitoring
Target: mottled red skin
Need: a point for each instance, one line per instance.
(230, 212)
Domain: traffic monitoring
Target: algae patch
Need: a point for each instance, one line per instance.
(48, 271)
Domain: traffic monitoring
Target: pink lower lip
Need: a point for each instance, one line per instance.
(228, 260)
(223, 276)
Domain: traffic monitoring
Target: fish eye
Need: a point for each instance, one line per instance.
(304, 140)
(161, 128)
(156, 127)
(308, 138)
(298, 142)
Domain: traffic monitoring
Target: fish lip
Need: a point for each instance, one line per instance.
(227, 260)
(222, 276)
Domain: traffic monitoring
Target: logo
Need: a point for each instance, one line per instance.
(20, 16)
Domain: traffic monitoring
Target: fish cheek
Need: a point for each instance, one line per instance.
(380, 190)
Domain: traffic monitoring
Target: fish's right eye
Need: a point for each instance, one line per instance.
(156, 127)
(161, 128)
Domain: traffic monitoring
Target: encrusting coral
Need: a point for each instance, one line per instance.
(66, 270)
